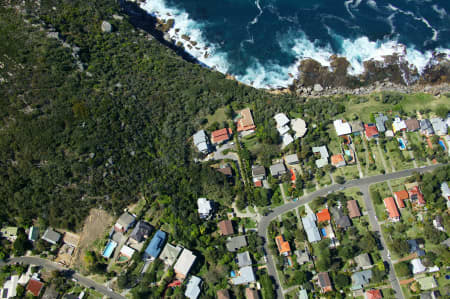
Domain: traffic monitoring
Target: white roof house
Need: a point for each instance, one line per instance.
(283, 130)
(299, 126)
(184, 262)
(193, 287)
(287, 139)
(445, 190)
(201, 141)
(417, 266)
(127, 251)
(309, 224)
(9, 287)
(281, 119)
(322, 150)
(204, 207)
(398, 125)
(246, 275)
(342, 127)
(439, 126)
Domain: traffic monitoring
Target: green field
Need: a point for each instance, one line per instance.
(349, 172)
(353, 193)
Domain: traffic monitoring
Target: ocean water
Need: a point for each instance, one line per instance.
(261, 42)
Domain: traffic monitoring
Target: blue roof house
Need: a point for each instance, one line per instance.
(156, 244)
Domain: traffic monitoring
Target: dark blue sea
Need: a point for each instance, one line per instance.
(261, 42)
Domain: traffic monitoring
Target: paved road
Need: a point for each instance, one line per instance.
(54, 266)
(384, 252)
(265, 221)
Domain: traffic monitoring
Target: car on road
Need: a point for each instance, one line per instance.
(265, 258)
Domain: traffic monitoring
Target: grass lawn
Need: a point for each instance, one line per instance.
(399, 159)
(353, 193)
(251, 143)
(414, 138)
(376, 158)
(218, 116)
(398, 184)
(348, 172)
(384, 191)
(334, 147)
(325, 180)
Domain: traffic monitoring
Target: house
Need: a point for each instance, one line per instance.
(389, 134)
(363, 261)
(398, 125)
(445, 190)
(302, 294)
(342, 127)
(338, 160)
(353, 209)
(246, 276)
(277, 170)
(360, 279)
(302, 256)
(427, 283)
(400, 197)
(426, 128)
(184, 263)
(380, 119)
(243, 259)
(309, 225)
(221, 135)
(51, 236)
(323, 215)
(127, 251)
(9, 287)
(34, 287)
(204, 208)
(235, 243)
(223, 294)
(226, 170)
(125, 221)
(324, 282)
(370, 131)
(286, 140)
(357, 127)
(33, 234)
(283, 246)
(251, 293)
(394, 214)
(226, 227)
(258, 172)
(156, 244)
(9, 233)
(430, 295)
(170, 253)
(291, 159)
(322, 150)
(373, 294)
(416, 196)
(414, 247)
(282, 123)
(412, 125)
(201, 141)
(437, 223)
(245, 121)
(193, 287)
(342, 221)
(439, 126)
(417, 266)
(141, 232)
(50, 293)
(298, 125)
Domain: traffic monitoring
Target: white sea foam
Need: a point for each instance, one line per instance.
(440, 11)
(372, 4)
(347, 6)
(269, 74)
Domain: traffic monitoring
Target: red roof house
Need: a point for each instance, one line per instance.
(416, 196)
(221, 135)
(34, 287)
(245, 122)
(400, 197)
(394, 214)
(338, 160)
(258, 183)
(283, 246)
(371, 131)
(323, 215)
(373, 294)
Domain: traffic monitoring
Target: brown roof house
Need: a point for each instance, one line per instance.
(353, 209)
(412, 125)
(223, 294)
(226, 227)
(34, 287)
(325, 282)
(251, 293)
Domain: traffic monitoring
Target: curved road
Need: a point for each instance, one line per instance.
(54, 266)
(360, 183)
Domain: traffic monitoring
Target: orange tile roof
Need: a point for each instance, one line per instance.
(283, 246)
(416, 194)
(370, 130)
(258, 184)
(34, 286)
(373, 294)
(391, 207)
(323, 215)
(400, 196)
(221, 135)
(245, 123)
(336, 159)
(293, 176)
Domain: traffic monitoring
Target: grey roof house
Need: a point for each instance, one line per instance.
(170, 254)
(363, 261)
(359, 279)
(125, 221)
(258, 172)
(51, 236)
(357, 126)
(425, 127)
(309, 224)
(277, 169)
(193, 287)
(246, 276)
(235, 243)
(292, 159)
(244, 259)
(380, 119)
(341, 220)
(201, 141)
(439, 126)
(302, 256)
(141, 231)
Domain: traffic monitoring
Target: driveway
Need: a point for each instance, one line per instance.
(81, 279)
(265, 221)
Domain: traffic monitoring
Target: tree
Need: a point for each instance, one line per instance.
(340, 179)
(341, 281)
(402, 269)
(267, 286)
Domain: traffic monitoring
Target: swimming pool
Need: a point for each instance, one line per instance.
(232, 273)
(109, 249)
(442, 144)
(324, 232)
(401, 143)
